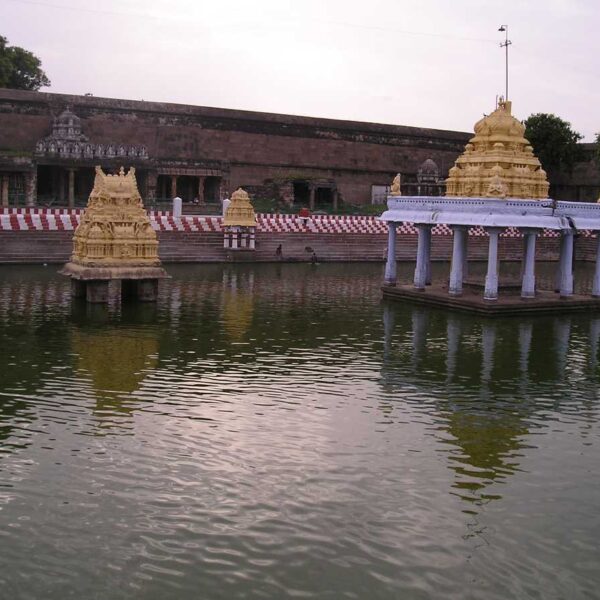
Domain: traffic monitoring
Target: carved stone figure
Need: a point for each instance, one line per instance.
(395, 188)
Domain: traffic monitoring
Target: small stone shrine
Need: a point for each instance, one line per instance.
(114, 241)
(239, 223)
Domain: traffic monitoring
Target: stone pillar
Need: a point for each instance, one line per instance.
(390, 265)
(147, 290)
(491, 279)
(334, 194)
(596, 286)
(455, 287)
(30, 188)
(252, 238)
(200, 193)
(528, 285)
(151, 182)
(61, 187)
(311, 196)
(71, 188)
(566, 264)
(4, 190)
(423, 254)
(96, 291)
(173, 186)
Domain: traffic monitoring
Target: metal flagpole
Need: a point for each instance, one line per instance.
(505, 44)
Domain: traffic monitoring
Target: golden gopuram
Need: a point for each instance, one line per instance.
(498, 162)
(115, 241)
(239, 222)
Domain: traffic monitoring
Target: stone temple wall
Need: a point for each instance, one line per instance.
(249, 149)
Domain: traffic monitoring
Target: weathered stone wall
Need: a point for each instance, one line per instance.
(255, 148)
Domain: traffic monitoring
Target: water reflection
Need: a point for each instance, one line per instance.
(286, 432)
(486, 382)
(116, 362)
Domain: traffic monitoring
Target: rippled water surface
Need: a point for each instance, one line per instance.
(277, 431)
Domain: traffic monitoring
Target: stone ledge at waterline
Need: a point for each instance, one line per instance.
(38, 247)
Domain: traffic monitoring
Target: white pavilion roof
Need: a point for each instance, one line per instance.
(492, 212)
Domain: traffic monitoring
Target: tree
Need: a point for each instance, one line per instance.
(597, 150)
(554, 142)
(20, 69)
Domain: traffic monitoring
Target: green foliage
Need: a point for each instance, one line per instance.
(554, 142)
(20, 69)
(597, 150)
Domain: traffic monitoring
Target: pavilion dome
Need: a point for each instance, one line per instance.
(498, 162)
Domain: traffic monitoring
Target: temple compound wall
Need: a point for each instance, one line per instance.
(50, 144)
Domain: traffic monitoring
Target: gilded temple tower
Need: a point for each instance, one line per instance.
(114, 240)
(498, 162)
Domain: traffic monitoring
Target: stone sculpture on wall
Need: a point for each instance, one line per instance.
(68, 141)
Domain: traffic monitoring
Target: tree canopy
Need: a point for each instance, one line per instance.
(554, 142)
(20, 69)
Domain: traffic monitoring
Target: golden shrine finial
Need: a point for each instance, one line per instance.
(240, 212)
(498, 161)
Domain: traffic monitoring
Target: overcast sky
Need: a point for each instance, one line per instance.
(429, 63)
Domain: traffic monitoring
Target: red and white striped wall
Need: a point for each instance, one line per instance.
(52, 219)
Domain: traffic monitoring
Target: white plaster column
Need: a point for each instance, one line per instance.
(566, 264)
(423, 253)
(491, 278)
(177, 207)
(528, 284)
(390, 265)
(596, 285)
(234, 238)
(252, 239)
(455, 286)
(427, 234)
(465, 273)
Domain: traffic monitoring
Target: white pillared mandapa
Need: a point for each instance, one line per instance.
(494, 215)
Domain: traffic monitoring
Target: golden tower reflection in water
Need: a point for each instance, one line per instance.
(237, 303)
(116, 362)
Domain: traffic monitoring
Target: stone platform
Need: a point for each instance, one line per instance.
(471, 301)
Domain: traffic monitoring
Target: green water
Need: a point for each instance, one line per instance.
(277, 431)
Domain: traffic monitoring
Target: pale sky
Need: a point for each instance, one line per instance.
(427, 63)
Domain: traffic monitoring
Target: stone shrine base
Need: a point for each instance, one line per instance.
(472, 301)
(92, 283)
